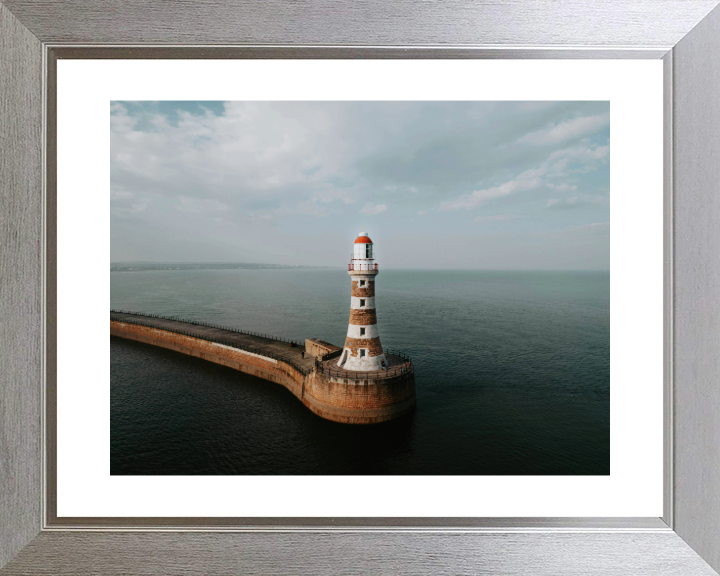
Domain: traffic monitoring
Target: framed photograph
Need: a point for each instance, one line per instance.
(516, 216)
(486, 204)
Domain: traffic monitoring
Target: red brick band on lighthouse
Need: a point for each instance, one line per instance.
(362, 351)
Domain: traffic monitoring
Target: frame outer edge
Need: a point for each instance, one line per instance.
(653, 23)
(20, 284)
(696, 111)
(20, 277)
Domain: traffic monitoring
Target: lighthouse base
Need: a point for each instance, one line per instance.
(357, 398)
(362, 363)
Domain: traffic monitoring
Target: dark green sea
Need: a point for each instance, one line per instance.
(512, 371)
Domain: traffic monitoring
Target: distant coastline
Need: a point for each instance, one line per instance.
(141, 266)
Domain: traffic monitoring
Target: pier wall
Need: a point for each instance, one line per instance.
(360, 401)
(247, 362)
(345, 400)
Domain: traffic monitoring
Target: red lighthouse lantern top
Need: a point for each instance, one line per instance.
(363, 238)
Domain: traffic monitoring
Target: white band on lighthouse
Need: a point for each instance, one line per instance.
(362, 303)
(356, 332)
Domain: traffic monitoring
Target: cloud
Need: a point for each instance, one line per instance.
(578, 201)
(117, 108)
(567, 130)
(561, 187)
(594, 229)
(329, 152)
(311, 207)
(369, 208)
(330, 193)
(528, 180)
(496, 217)
(200, 205)
(587, 157)
(560, 164)
(120, 122)
(250, 151)
(273, 171)
(128, 204)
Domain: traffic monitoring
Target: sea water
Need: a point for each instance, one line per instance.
(512, 374)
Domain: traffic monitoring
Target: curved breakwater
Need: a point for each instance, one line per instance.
(325, 389)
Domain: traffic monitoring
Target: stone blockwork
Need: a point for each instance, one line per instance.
(341, 399)
(363, 317)
(358, 401)
(319, 348)
(372, 344)
(366, 292)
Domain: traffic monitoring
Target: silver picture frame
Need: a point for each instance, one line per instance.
(685, 34)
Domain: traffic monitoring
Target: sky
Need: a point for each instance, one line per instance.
(437, 185)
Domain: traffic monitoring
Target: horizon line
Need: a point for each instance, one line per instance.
(145, 262)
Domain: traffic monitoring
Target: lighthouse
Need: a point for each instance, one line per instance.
(362, 351)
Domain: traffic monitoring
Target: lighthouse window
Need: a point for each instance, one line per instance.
(362, 302)
(362, 331)
(368, 250)
(362, 353)
(362, 282)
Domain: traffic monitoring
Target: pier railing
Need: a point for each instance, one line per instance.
(398, 353)
(391, 372)
(147, 322)
(209, 325)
